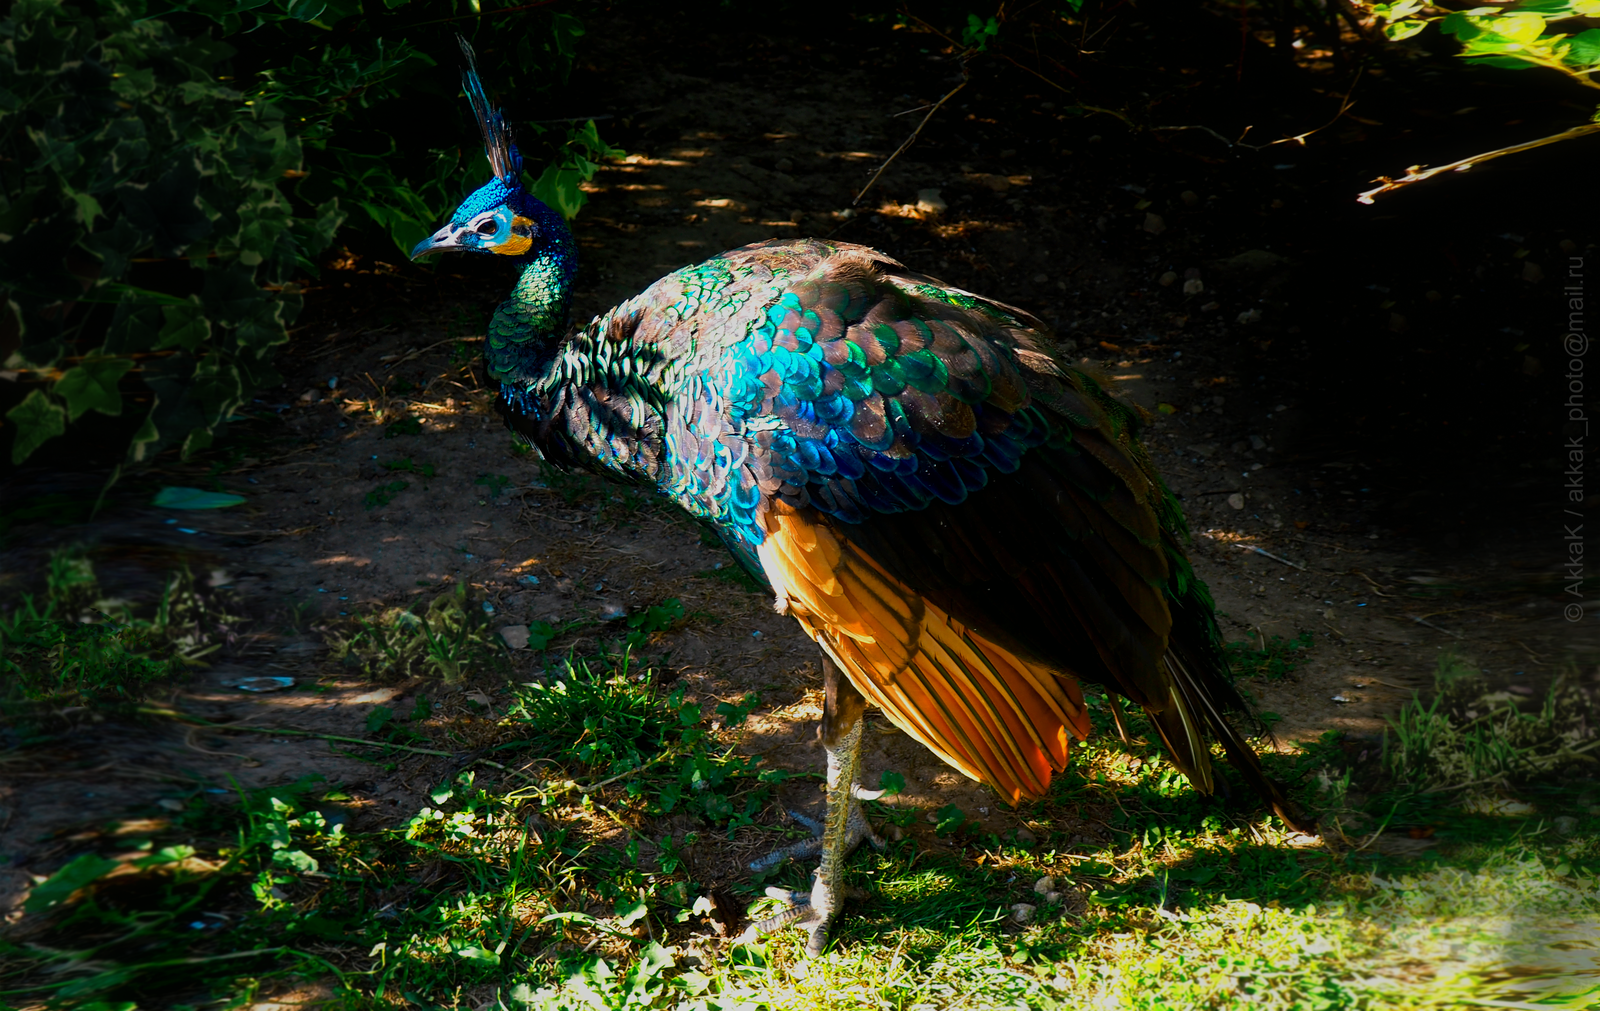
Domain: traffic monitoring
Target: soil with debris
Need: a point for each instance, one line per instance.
(1281, 353)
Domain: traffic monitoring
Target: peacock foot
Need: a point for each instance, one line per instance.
(814, 911)
(858, 830)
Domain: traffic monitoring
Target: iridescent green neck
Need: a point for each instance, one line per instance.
(531, 322)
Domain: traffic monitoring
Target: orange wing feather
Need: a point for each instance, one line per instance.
(987, 712)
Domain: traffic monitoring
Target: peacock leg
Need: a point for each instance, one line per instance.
(843, 828)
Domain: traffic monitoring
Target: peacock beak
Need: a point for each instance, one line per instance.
(445, 240)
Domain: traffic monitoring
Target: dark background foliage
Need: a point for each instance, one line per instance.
(172, 172)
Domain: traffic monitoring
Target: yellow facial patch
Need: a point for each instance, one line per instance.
(520, 240)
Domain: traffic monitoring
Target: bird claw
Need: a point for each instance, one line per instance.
(860, 830)
(812, 911)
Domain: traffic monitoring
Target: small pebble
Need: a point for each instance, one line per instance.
(1193, 286)
(1566, 824)
(1341, 699)
(1167, 280)
(1045, 885)
(1022, 912)
(515, 636)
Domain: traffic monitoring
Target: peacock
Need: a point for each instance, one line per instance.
(965, 524)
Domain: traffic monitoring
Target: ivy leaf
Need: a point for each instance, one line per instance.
(92, 385)
(558, 188)
(38, 419)
(215, 386)
(186, 326)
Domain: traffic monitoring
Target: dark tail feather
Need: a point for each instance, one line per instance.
(1203, 697)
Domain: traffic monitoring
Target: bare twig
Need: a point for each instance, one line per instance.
(1375, 587)
(1417, 174)
(911, 139)
(1277, 558)
(418, 352)
(1300, 138)
(1446, 631)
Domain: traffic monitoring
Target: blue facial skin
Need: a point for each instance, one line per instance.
(517, 224)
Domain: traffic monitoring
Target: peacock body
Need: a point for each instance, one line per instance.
(966, 524)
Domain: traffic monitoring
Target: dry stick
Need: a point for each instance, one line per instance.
(1417, 174)
(1299, 138)
(1375, 587)
(1068, 92)
(1446, 631)
(908, 141)
(1268, 554)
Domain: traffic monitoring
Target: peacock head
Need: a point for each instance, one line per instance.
(500, 216)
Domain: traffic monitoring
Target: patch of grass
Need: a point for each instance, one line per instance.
(573, 881)
(1274, 660)
(451, 637)
(408, 425)
(384, 494)
(407, 464)
(616, 723)
(494, 484)
(1474, 734)
(75, 648)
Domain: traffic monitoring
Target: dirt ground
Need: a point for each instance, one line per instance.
(1289, 541)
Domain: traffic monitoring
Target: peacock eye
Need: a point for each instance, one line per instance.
(488, 226)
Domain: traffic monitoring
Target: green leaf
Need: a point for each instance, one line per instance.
(86, 869)
(950, 818)
(1583, 49)
(148, 438)
(92, 385)
(1398, 30)
(891, 783)
(197, 440)
(166, 855)
(478, 955)
(558, 188)
(172, 497)
(1518, 26)
(631, 912)
(295, 860)
(186, 326)
(216, 386)
(38, 419)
